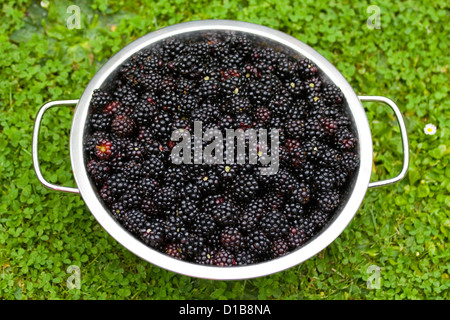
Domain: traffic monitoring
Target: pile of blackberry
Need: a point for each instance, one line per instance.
(224, 214)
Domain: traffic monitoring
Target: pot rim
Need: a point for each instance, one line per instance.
(314, 246)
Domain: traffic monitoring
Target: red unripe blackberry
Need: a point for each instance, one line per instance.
(104, 149)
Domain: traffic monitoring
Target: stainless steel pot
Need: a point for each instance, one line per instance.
(359, 186)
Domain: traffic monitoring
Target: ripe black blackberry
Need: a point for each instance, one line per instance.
(345, 139)
(231, 238)
(306, 68)
(262, 115)
(100, 122)
(294, 210)
(205, 256)
(204, 224)
(279, 247)
(245, 258)
(245, 188)
(149, 206)
(319, 217)
(98, 170)
(332, 95)
(175, 250)
(208, 182)
(301, 194)
(122, 125)
(224, 258)
(258, 243)
(225, 213)
(152, 233)
(324, 178)
(100, 98)
(248, 221)
(296, 238)
(134, 220)
(328, 201)
(143, 113)
(274, 224)
(175, 228)
(188, 210)
(166, 197)
(192, 243)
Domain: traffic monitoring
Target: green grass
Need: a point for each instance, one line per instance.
(402, 228)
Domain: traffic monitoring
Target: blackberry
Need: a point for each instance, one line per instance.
(153, 167)
(332, 95)
(132, 170)
(118, 210)
(135, 150)
(166, 197)
(100, 98)
(313, 85)
(328, 201)
(345, 140)
(117, 184)
(225, 213)
(302, 193)
(209, 181)
(131, 199)
(168, 101)
(188, 210)
(279, 247)
(262, 115)
(246, 257)
(122, 125)
(98, 170)
(144, 113)
(104, 149)
(319, 218)
(192, 244)
(296, 238)
(306, 68)
(245, 188)
(274, 224)
(231, 239)
(134, 220)
(224, 258)
(175, 251)
(305, 226)
(148, 186)
(248, 221)
(295, 86)
(149, 206)
(186, 104)
(204, 224)
(227, 172)
(258, 243)
(100, 122)
(152, 233)
(294, 210)
(237, 104)
(324, 178)
(314, 128)
(175, 228)
(205, 256)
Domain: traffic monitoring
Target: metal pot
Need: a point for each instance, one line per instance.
(360, 184)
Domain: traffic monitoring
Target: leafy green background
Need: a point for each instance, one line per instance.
(402, 228)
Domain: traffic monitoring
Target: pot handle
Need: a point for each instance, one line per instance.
(37, 126)
(404, 136)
